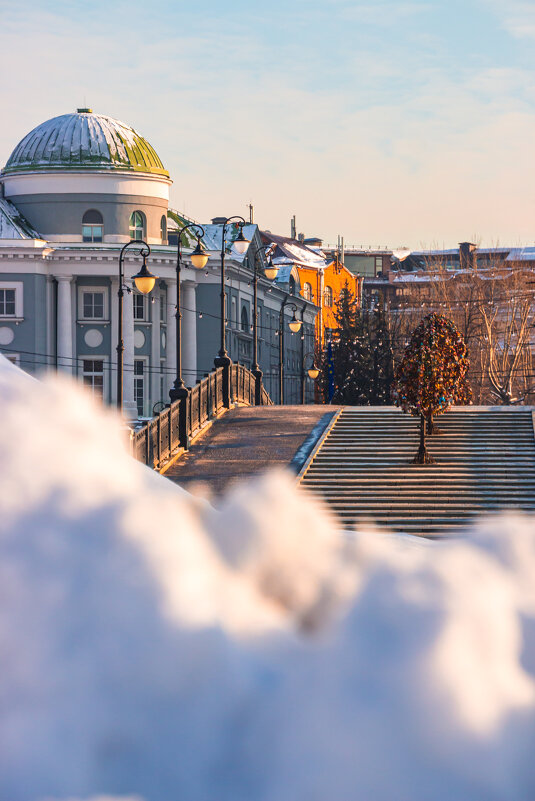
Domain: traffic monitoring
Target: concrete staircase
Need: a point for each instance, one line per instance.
(485, 463)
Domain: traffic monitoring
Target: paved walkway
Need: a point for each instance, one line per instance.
(248, 440)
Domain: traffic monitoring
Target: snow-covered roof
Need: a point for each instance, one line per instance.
(12, 223)
(84, 141)
(213, 233)
(521, 254)
(290, 251)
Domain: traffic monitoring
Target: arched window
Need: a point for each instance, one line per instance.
(328, 296)
(137, 225)
(307, 291)
(163, 229)
(244, 319)
(92, 226)
(292, 285)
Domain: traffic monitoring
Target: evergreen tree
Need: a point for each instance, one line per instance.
(432, 374)
(361, 363)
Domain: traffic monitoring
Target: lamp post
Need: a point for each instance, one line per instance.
(313, 372)
(270, 272)
(223, 359)
(241, 244)
(179, 391)
(144, 281)
(198, 258)
(295, 326)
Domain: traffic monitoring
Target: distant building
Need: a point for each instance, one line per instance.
(306, 271)
(411, 274)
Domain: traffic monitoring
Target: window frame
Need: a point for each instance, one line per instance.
(104, 290)
(144, 375)
(82, 358)
(134, 229)
(328, 297)
(145, 303)
(247, 328)
(18, 288)
(307, 291)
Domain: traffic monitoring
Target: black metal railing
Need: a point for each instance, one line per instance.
(171, 429)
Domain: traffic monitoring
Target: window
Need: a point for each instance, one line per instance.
(7, 303)
(93, 376)
(328, 296)
(92, 302)
(93, 305)
(234, 313)
(92, 226)
(162, 381)
(291, 286)
(11, 299)
(163, 306)
(139, 384)
(163, 230)
(137, 225)
(307, 291)
(378, 264)
(140, 306)
(244, 319)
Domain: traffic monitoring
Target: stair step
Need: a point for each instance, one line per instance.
(485, 465)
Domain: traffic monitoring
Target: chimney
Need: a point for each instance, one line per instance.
(218, 220)
(300, 237)
(293, 229)
(251, 213)
(467, 255)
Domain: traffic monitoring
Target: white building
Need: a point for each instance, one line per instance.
(72, 193)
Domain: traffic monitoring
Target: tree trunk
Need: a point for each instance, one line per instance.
(423, 457)
(432, 429)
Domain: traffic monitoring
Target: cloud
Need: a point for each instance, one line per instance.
(517, 16)
(382, 14)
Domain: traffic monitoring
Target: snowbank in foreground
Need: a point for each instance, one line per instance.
(153, 647)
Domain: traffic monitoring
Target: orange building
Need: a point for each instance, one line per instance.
(304, 270)
(323, 287)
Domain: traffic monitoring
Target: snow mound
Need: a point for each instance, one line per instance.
(153, 647)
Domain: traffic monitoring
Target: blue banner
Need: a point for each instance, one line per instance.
(330, 369)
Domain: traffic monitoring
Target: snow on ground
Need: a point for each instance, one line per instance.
(153, 647)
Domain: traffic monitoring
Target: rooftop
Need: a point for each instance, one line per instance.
(84, 141)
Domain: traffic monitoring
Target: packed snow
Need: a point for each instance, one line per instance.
(154, 647)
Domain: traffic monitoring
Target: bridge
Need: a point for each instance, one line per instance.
(357, 459)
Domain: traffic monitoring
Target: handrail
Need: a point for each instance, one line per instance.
(163, 437)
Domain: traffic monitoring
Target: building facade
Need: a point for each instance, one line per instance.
(73, 192)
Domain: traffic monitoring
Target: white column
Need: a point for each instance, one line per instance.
(129, 405)
(170, 357)
(154, 394)
(64, 324)
(114, 323)
(189, 333)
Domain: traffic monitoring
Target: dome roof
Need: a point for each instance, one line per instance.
(84, 141)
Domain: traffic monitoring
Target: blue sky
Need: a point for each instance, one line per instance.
(389, 122)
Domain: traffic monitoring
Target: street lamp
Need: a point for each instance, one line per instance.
(241, 244)
(270, 271)
(313, 371)
(144, 281)
(294, 325)
(198, 257)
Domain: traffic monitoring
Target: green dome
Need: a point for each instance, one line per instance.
(84, 141)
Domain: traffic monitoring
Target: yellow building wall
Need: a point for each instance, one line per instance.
(335, 276)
